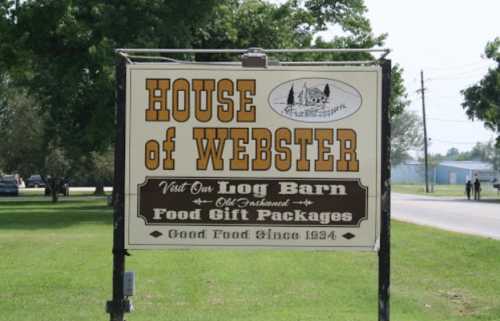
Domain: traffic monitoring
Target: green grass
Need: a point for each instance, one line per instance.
(487, 190)
(56, 265)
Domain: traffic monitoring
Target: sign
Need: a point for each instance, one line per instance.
(226, 156)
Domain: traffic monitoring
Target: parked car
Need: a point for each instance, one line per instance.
(35, 181)
(8, 187)
(61, 188)
(14, 177)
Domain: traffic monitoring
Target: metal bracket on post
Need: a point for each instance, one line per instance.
(123, 307)
(254, 58)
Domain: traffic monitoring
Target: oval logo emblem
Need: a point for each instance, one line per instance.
(315, 100)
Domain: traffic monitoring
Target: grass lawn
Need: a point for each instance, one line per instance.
(56, 266)
(487, 190)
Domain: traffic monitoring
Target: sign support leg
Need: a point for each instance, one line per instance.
(384, 254)
(119, 304)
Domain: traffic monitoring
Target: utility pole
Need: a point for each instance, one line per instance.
(422, 93)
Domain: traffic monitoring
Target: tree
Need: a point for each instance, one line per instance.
(482, 100)
(254, 23)
(399, 98)
(486, 152)
(482, 151)
(294, 24)
(21, 129)
(67, 62)
(406, 127)
(326, 91)
(495, 160)
(291, 97)
(406, 135)
(7, 47)
(103, 169)
(452, 153)
(98, 169)
(70, 46)
(66, 50)
(55, 171)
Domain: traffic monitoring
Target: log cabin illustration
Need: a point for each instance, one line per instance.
(308, 98)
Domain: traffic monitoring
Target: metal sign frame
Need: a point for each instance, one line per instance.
(120, 304)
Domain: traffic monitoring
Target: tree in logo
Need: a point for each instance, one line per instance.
(290, 100)
(326, 91)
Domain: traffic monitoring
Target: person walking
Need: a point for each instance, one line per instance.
(477, 189)
(468, 188)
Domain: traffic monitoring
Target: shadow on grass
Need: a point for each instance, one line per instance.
(30, 215)
(462, 200)
(490, 200)
(434, 198)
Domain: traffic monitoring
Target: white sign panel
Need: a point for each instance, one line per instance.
(226, 156)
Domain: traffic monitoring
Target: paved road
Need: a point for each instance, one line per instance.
(459, 215)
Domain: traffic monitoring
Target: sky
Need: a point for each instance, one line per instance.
(445, 39)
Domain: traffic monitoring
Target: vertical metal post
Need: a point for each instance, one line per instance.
(384, 254)
(119, 305)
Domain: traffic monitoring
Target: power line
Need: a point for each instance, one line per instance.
(452, 142)
(480, 62)
(451, 99)
(444, 97)
(459, 73)
(450, 120)
(457, 76)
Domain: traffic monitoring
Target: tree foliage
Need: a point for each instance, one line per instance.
(294, 24)
(485, 152)
(406, 126)
(399, 97)
(55, 170)
(21, 129)
(62, 51)
(70, 45)
(98, 169)
(406, 135)
(482, 100)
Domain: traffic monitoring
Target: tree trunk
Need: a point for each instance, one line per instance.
(54, 196)
(53, 189)
(99, 188)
